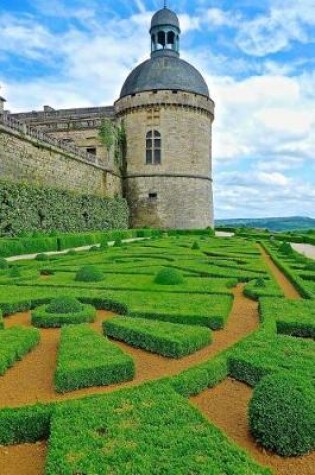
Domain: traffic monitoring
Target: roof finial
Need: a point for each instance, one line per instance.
(165, 3)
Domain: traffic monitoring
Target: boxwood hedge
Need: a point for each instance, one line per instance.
(86, 359)
(167, 339)
(42, 317)
(282, 414)
(15, 342)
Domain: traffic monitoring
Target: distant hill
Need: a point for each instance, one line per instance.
(273, 224)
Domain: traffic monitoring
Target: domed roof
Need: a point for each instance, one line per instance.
(165, 70)
(165, 17)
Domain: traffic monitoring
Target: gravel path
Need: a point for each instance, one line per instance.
(307, 249)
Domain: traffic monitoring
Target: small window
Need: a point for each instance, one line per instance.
(153, 148)
(152, 196)
(91, 150)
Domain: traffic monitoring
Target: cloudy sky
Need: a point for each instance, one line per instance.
(258, 57)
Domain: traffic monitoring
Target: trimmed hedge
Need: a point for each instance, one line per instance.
(32, 245)
(43, 318)
(15, 342)
(144, 430)
(194, 380)
(1, 320)
(263, 354)
(167, 339)
(87, 359)
(282, 414)
(292, 317)
(26, 207)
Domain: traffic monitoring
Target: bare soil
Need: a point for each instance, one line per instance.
(288, 288)
(226, 406)
(26, 459)
(31, 381)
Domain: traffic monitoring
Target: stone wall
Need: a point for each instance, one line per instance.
(25, 159)
(178, 192)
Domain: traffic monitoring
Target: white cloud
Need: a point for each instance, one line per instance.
(286, 22)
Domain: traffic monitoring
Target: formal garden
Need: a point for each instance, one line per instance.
(156, 353)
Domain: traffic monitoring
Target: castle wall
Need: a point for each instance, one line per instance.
(25, 159)
(178, 192)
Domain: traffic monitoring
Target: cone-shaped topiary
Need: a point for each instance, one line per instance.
(286, 248)
(42, 257)
(169, 276)
(64, 305)
(3, 264)
(282, 414)
(15, 272)
(195, 246)
(89, 274)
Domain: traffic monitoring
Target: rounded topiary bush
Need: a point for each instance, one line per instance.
(64, 305)
(94, 249)
(89, 274)
(72, 252)
(260, 282)
(282, 414)
(3, 264)
(62, 311)
(169, 276)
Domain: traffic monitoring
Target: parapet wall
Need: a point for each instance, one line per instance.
(26, 158)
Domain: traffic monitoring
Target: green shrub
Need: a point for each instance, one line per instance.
(15, 342)
(3, 264)
(42, 318)
(164, 338)
(118, 243)
(169, 276)
(195, 246)
(260, 282)
(64, 305)
(286, 248)
(42, 257)
(87, 359)
(282, 414)
(144, 430)
(94, 249)
(1, 320)
(72, 252)
(89, 273)
(262, 354)
(14, 272)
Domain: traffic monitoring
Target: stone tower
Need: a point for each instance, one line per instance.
(167, 114)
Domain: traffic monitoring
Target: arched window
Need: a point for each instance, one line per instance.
(161, 38)
(153, 148)
(170, 38)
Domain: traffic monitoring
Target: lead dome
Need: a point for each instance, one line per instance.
(165, 70)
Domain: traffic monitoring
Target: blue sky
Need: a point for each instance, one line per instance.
(258, 58)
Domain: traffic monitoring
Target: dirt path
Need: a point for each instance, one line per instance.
(226, 406)
(27, 459)
(34, 374)
(307, 250)
(36, 371)
(289, 290)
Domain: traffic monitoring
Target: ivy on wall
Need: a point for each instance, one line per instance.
(26, 208)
